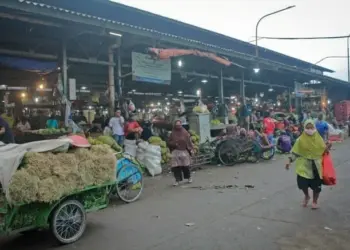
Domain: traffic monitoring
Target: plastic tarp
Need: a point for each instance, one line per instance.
(11, 156)
(31, 65)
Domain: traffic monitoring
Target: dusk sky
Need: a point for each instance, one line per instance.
(237, 18)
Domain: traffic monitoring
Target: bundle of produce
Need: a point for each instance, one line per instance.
(46, 177)
(195, 140)
(215, 122)
(157, 141)
(201, 108)
(107, 140)
(51, 131)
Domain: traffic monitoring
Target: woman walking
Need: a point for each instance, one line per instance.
(181, 146)
(307, 152)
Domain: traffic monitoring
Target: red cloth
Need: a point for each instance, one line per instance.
(129, 126)
(79, 141)
(328, 170)
(269, 126)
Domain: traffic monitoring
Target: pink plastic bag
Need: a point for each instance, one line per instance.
(328, 170)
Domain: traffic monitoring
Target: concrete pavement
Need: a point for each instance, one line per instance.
(220, 212)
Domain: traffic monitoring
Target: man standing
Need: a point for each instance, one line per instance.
(269, 127)
(322, 127)
(116, 123)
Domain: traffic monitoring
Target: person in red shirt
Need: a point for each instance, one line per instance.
(132, 129)
(269, 127)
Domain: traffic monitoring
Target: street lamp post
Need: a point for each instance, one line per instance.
(348, 55)
(257, 26)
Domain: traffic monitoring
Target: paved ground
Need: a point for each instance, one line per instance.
(267, 216)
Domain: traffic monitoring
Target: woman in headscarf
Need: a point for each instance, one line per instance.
(181, 145)
(308, 151)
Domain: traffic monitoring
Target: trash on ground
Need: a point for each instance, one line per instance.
(190, 224)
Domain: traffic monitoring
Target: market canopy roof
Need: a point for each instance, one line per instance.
(116, 17)
(135, 18)
(30, 65)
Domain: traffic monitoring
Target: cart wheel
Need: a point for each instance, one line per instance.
(227, 154)
(68, 222)
(268, 155)
(129, 183)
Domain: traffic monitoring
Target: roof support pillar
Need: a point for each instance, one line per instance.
(111, 83)
(119, 69)
(64, 68)
(222, 109)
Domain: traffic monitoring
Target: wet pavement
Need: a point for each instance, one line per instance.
(248, 206)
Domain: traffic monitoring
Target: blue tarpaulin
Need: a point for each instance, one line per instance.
(41, 67)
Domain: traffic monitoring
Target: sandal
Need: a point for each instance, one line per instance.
(305, 202)
(314, 206)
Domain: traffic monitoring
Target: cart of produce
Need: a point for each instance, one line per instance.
(44, 186)
(38, 135)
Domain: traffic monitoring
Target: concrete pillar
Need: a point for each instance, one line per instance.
(111, 83)
(64, 69)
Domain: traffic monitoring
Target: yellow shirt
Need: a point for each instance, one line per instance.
(10, 121)
(303, 167)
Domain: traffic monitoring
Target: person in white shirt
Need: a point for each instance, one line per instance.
(23, 125)
(116, 123)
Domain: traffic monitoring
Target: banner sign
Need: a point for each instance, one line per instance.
(147, 69)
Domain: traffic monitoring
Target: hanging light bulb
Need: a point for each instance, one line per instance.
(262, 94)
(270, 89)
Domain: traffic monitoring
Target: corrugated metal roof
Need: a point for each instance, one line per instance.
(133, 18)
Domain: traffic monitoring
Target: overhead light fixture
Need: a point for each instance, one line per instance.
(204, 81)
(278, 103)
(329, 101)
(168, 103)
(152, 104)
(158, 103)
(179, 63)
(83, 87)
(23, 94)
(41, 86)
(262, 94)
(115, 34)
(270, 89)
(90, 107)
(256, 70)
(179, 92)
(134, 90)
(36, 99)
(198, 92)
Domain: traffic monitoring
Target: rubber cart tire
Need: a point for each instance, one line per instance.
(68, 222)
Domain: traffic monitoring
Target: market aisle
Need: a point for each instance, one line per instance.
(267, 216)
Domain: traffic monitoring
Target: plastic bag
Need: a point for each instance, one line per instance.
(130, 147)
(153, 165)
(107, 131)
(131, 106)
(328, 170)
